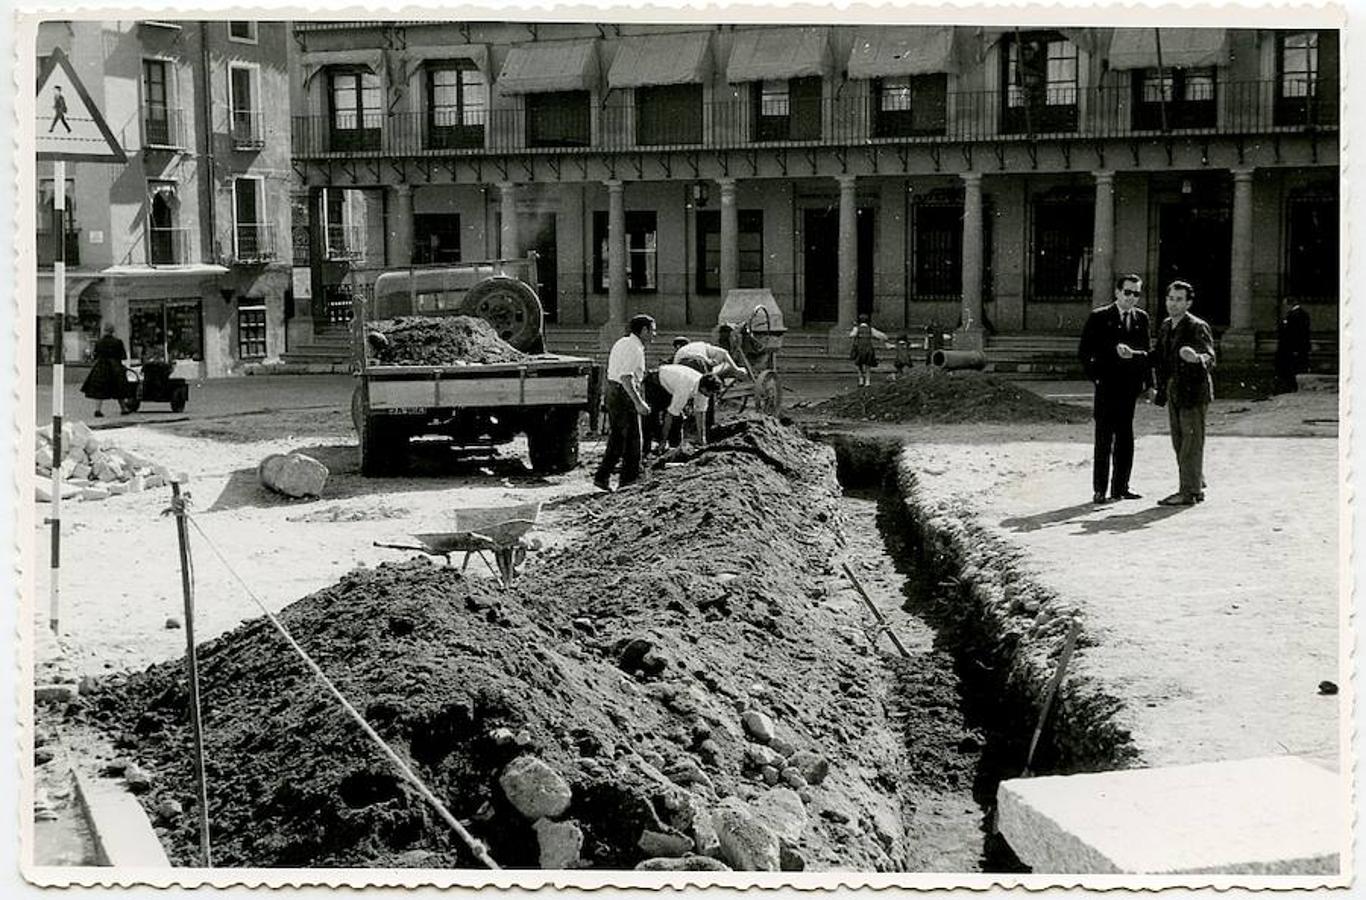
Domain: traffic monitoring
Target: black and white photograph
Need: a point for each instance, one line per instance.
(698, 449)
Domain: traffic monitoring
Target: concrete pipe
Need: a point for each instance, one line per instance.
(958, 359)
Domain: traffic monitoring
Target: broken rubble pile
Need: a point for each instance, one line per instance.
(670, 690)
(93, 468)
(950, 398)
(439, 341)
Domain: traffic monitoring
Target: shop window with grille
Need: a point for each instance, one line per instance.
(1311, 246)
(750, 249)
(911, 105)
(937, 248)
(642, 262)
(1060, 247)
(168, 330)
(251, 331)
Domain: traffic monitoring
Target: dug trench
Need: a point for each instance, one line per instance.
(688, 683)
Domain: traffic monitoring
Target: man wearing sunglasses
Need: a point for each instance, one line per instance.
(1114, 354)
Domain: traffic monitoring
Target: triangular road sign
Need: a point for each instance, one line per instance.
(67, 125)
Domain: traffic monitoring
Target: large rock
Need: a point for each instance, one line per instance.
(560, 844)
(293, 474)
(746, 843)
(758, 726)
(658, 843)
(813, 766)
(536, 790)
(685, 864)
(782, 812)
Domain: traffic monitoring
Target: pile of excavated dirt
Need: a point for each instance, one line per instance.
(949, 398)
(675, 689)
(439, 341)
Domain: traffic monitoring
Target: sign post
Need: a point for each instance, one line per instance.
(69, 127)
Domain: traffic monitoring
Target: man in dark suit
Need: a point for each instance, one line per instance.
(1182, 364)
(1114, 354)
(1293, 344)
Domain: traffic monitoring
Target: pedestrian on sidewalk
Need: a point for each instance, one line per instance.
(106, 380)
(1114, 355)
(1293, 343)
(1184, 358)
(864, 351)
(626, 404)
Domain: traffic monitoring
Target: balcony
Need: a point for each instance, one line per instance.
(247, 129)
(254, 242)
(168, 246)
(47, 248)
(164, 128)
(345, 242)
(1252, 107)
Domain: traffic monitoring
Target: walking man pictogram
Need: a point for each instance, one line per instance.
(58, 110)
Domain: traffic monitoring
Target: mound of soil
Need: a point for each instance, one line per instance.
(679, 675)
(439, 341)
(950, 398)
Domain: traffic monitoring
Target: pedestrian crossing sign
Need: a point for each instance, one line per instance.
(68, 125)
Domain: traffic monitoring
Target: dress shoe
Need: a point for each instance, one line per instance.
(602, 484)
(1200, 497)
(1126, 495)
(1099, 498)
(1177, 499)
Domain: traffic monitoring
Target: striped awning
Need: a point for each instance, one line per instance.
(764, 54)
(660, 59)
(368, 60)
(543, 68)
(1182, 48)
(895, 50)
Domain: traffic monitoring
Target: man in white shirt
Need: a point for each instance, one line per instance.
(707, 357)
(674, 387)
(625, 404)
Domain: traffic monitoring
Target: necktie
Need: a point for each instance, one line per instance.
(1126, 319)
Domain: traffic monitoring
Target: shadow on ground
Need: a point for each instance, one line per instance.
(429, 464)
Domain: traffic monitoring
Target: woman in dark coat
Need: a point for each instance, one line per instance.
(106, 380)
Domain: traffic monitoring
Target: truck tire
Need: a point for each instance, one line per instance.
(553, 442)
(510, 306)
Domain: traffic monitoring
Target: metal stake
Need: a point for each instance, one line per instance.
(178, 504)
(1063, 659)
(58, 384)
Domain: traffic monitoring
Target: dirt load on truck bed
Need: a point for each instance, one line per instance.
(674, 687)
(439, 341)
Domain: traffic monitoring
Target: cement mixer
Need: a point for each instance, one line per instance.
(750, 325)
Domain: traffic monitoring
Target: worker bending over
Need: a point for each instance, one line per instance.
(670, 390)
(707, 358)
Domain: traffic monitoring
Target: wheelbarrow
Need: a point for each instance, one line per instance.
(496, 534)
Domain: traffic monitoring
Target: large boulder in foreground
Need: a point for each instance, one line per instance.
(293, 474)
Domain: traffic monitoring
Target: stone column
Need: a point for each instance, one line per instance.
(969, 335)
(1103, 240)
(616, 256)
(507, 194)
(1240, 274)
(730, 238)
(848, 254)
(401, 225)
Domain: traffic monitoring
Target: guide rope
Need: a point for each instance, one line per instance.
(475, 846)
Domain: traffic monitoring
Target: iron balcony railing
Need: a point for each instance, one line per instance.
(345, 242)
(247, 129)
(1110, 111)
(255, 242)
(168, 246)
(164, 127)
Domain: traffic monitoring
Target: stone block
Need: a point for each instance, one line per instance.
(536, 790)
(1267, 816)
(293, 474)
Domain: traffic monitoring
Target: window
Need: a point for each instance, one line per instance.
(253, 236)
(47, 245)
(910, 105)
(251, 330)
(167, 244)
(787, 110)
(641, 263)
(436, 238)
(344, 224)
(1307, 78)
(1311, 245)
(242, 31)
(1185, 97)
(243, 106)
(167, 330)
(1039, 83)
(356, 114)
(457, 105)
(937, 250)
(300, 223)
(1060, 246)
(159, 121)
(558, 119)
(751, 249)
(669, 114)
